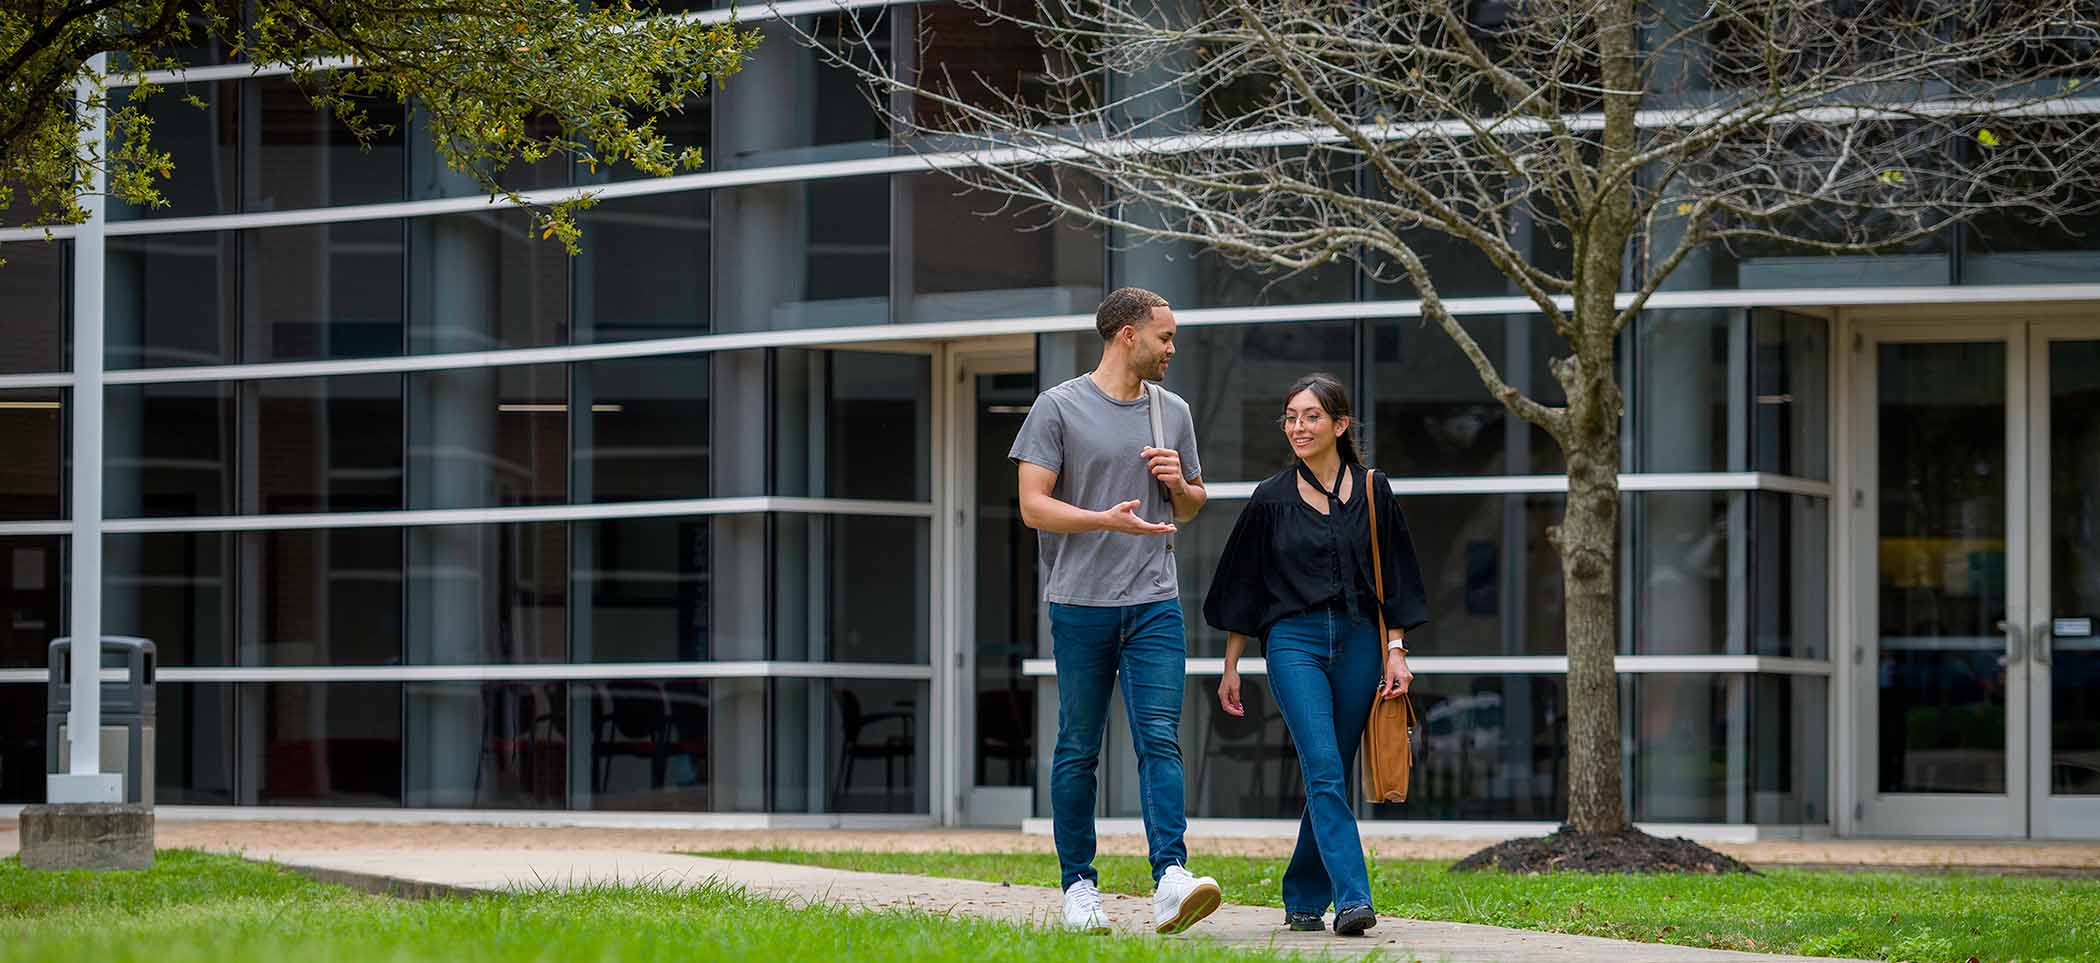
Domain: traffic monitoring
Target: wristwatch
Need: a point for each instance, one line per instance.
(1397, 645)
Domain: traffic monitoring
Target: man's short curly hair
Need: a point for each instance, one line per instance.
(1125, 306)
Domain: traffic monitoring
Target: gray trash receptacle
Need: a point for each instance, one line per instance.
(127, 712)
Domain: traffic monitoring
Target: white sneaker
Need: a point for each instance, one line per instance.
(1083, 908)
(1182, 900)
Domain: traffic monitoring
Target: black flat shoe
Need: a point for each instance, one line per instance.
(1355, 920)
(1304, 922)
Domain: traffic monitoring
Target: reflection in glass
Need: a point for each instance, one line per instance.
(322, 444)
(1727, 572)
(643, 272)
(22, 762)
(320, 744)
(488, 594)
(168, 449)
(644, 744)
(304, 157)
(804, 254)
(321, 291)
(975, 254)
(203, 142)
(2074, 567)
(1237, 767)
(1792, 368)
(872, 734)
(1689, 394)
(1429, 413)
(32, 434)
(1003, 592)
(33, 286)
(642, 590)
(1493, 580)
(482, 437)
(488, 745)
(1233, 378)
(847, 424)
(321, 597)
(641, 429)
(1942, 567)
(175, 588)
(484, 281)
(32, 598)
(193, 744)
(171, 299)
(791, 106)
(851, 588)
(1728, 748)
(1495, 747)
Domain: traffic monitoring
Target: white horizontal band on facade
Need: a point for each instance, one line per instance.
(1552, 484)
(49, 379)
(754, 505)
(566, 672)
(739, 15)
(539, 818)
(939, 331)
(1484, 830)
(1523, 665)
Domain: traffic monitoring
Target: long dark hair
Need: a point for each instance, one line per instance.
(1328, 391)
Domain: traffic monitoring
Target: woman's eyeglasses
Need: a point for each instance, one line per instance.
(1310, 421)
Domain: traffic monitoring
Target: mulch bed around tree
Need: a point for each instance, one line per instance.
(1626, 851)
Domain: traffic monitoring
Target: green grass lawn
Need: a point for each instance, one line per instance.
(197, 907)
(1887, 916)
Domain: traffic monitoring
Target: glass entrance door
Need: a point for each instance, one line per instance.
(1979, 498)
(2064, 627)
(996, 611)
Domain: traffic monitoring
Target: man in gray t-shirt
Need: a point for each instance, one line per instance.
(1105, 500)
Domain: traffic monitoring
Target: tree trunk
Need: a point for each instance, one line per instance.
(1588, 541)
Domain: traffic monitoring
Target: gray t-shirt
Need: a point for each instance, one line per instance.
(1094, 443)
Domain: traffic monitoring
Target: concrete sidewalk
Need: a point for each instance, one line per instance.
(425, 871)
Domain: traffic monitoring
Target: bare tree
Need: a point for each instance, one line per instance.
(1292, 134)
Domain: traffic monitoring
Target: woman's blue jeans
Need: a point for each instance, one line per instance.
(1324, 670)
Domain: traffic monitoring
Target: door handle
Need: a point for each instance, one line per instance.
(2044, 641)
(2014, 641)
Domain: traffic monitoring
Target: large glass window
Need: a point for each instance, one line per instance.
(851, 746)
(169, 449)
(641, 429)
(482, 437)
(484, 281)
(1494, 747)
(32, 433)
(851, 588)
(669, 745)
(1431, 416)
(791, 107)
(1233, 378)
(643, 591)
(1719, 390)
(22, 762)
(1790, 368)
(488, 594)
(322, 444)
(193, 744)
(322, 291)
(33, 285)
(644, 268)
(803, 254)
(488, 745)
(32, 598)
(1727, 572)
(848, 424)
(320, 744)
(176, 588)
(321, 597)
(1728, 748)
(171, 299)
(976, 254)
(304, 157)
(198, 125)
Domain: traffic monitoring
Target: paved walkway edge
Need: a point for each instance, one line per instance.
(425, 873)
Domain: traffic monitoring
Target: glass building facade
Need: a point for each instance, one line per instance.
(714, 517)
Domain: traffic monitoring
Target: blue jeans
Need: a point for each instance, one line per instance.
(1092, 644)
(1324, 670)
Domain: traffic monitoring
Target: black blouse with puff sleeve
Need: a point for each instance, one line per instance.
(1284, 558)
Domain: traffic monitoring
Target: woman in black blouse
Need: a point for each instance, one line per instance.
(1297, 573)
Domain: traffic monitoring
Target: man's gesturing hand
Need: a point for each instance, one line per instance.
(1123, 518)
(1165, 465)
